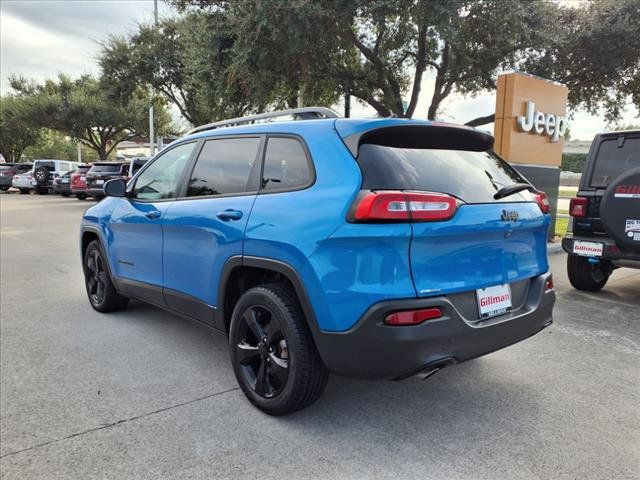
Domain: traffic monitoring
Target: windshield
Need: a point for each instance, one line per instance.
(474, 177)
(613, 160)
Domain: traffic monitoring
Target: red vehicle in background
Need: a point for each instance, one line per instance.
(79, 181)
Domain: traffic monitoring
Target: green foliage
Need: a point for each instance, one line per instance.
(88, 110)
(573, 162)
(53, 144)
(377, 50)
(16, 134)
(188, 61)
(593, 49)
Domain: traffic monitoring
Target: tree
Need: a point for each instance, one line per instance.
(593, 50)
(88, 111)
(188, 60)
(15, 133)
(53, 144)
(379, 50)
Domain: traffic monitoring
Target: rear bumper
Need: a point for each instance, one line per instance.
(374, 350)
(62, 188)
(611, 251)
(95, 192)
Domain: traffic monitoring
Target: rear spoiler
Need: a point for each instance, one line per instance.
(431, 135)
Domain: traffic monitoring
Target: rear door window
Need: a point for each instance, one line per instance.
(225, 166)
(471, 176)
(286, 166)
(51, 166)
(613, 160)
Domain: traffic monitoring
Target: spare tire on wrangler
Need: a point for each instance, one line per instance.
(620, 209)
(41, 175)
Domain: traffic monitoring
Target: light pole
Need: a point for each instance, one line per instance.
(152, 142)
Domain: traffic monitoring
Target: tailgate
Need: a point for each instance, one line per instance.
(477, 249)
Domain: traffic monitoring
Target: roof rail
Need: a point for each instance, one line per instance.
(305, 113)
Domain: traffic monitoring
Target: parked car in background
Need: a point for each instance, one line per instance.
(62, 185)
(79, 181)
(606, 212)
(136, 164)
(101, 172)
(9, 170)
(24, 182)
(373, 248)
(45, 171)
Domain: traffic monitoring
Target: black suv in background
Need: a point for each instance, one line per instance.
(98, 175)
(606, 212)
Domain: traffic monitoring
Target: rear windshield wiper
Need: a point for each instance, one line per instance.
(511, 189)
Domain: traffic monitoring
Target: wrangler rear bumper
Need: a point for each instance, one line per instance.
(374, 350)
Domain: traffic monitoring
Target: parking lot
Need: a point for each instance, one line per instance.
(144, 394)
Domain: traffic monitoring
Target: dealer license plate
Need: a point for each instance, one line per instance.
(493, 301)
(588, 249)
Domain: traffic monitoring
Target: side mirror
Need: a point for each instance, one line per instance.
(116, 187)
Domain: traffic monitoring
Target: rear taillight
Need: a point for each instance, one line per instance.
(548, 284)
(578, 207)
(543, 201)
(403, 206)
(413, 317)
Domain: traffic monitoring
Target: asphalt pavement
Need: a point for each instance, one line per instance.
(142, 394)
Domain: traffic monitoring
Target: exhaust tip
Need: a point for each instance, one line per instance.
(434, 367)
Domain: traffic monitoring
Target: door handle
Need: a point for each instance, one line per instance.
(229, 214)
(153, 214)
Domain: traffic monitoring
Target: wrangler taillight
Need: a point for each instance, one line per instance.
(392, 205)
(578, 207)
(543, 201)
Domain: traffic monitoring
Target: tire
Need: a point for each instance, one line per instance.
(33, 191)
(80, 196)
(65, 194)
(24, 191)
(587, 276)
(272, 312)
(41, 175)
(4, 189)
(100, 290)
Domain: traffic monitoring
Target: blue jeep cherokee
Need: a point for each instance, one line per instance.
(378, 248)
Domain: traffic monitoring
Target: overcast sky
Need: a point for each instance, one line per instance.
(40, 38)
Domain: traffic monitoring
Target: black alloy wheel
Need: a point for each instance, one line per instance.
(262, 352)
(96, 276)
(100, 289)
(272, 351)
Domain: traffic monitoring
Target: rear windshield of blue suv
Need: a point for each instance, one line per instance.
(471, 176)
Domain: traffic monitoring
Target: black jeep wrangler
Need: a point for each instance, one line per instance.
(606, 212)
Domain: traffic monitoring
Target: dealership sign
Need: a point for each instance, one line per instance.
(548, 124)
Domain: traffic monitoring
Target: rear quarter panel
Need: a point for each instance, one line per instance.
(340, 264)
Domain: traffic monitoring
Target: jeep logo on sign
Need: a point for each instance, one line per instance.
(541, 123)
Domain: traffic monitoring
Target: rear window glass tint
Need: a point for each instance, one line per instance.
(474, 177)
(46, 164)
(83, 169)
(106, 168)
(612, 161)
(285, 165)
(6, 167)
(224, 166)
